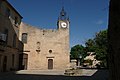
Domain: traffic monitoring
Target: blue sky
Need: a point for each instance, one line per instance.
(86, 16)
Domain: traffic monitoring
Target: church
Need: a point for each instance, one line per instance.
(45, 49)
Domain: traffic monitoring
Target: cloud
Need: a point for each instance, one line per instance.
(99, 22)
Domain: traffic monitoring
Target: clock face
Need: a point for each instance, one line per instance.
(63, 24)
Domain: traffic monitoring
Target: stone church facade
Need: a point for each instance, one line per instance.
(46, 49)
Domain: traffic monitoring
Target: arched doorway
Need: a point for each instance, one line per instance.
(50, 63)
(5, 63)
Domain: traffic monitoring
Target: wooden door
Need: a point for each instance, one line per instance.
(50, 63)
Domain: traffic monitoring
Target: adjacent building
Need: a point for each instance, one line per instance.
(10, 21)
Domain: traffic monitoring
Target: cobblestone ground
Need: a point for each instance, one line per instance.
(99, 75)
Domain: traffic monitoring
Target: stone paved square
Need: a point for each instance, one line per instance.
(99, 75)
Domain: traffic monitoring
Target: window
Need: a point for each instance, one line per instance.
(50, 51)
(14, 40)
(16, 21)
(8, 12)
(6, 32)
(24, 37)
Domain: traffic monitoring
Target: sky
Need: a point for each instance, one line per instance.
(86, 16)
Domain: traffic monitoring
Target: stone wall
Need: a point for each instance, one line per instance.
(53, 44)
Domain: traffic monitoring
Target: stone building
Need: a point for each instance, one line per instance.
(114, 39)
(46, 49)
(10, 20)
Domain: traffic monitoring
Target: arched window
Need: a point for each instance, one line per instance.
(24, 37)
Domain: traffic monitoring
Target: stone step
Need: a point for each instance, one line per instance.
(41, 72)
(88, 72)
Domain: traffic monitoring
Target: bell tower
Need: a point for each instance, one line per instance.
(63, 20)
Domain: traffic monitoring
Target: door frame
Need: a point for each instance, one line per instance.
(50, 63)
(4, 63)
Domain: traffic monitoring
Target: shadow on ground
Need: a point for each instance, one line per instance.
(99, 75)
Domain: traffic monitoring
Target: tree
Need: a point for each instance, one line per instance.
(90, 45)
(99, 45)
(76, 51)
